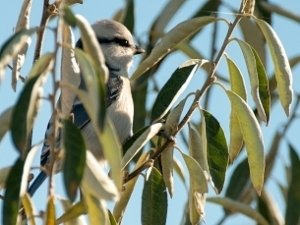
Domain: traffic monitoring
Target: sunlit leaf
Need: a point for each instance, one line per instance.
(125, 195)
(196, 149)
(5, 118)
(95, 180)
(75, 154)
(252, 136)
(214, 142)
(97, 212)
(252, 67)
(69, 17)
(292, 215)
(154, 200)
(50, 217)
(236, 206)
(167, 168)
(27, 104)
(72, 213)
(70, 72)
(13, 46)
(94, 102)
(29, 208)
(283, 71)
(237, 86)
(23, 23)
(112, 151)
(12, 193)
(139, 142)
(174, 87)
(170, 40)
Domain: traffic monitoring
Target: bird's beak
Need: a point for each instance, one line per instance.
(138, 50)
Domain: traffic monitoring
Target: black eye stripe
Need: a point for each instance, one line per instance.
(121, 41)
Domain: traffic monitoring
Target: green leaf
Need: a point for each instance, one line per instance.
(171, 124)
(112, 219)
(91, 47)
(27, 104)
(232, 205)
(292, 215)
(129, 16)
(170, 40)
(252, 67)
(139, 141)
(112, 151)
(283, 73)
(167, 168)
(4, 172)
(27, 203)
(264, 91)
(196, 149)
(50, 217)
(75, 154)
(72, 212)
(238, 180)
(13, 46)
(5, 118)
(154, 200)
(252, 136)
(215, 144)
(12, 193)
(97, 212)
(94, 101)
(122, 202)
(177, 83)
(69, 16)
(237, 86)
(95, 180)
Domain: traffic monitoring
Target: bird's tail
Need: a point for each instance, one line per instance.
(37, 183)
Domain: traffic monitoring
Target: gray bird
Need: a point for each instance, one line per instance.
(118, 47)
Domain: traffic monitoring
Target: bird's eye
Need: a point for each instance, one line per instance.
(122, 42)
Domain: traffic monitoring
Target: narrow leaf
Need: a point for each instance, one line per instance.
(94, 102)
(177, 83)
(252, 136)
(112, 151)
(254, 77)
(139, 142)
(237, 86)
(27, 105)
(5, 118)
(30, 211)
(50, 211)
(239, 207)
(13, 46)
(12, 194)
(154, 200)
(167, 168)
(72, 213)
(215, 144)
(283, 73)
(170, 40)
(70, 72)
(292, 215)
(91, 46)
(75, 154)
(23, 23)
(95, 180)
(97, 212)
(4, 172)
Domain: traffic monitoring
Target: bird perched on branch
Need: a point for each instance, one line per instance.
(118, 48)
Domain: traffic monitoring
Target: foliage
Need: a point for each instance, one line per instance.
(153, 149)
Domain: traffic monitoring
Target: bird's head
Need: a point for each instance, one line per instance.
(117, 44)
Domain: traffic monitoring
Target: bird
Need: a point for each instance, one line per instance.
(118, 47)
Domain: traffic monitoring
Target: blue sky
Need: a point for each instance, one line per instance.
(146, 12)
